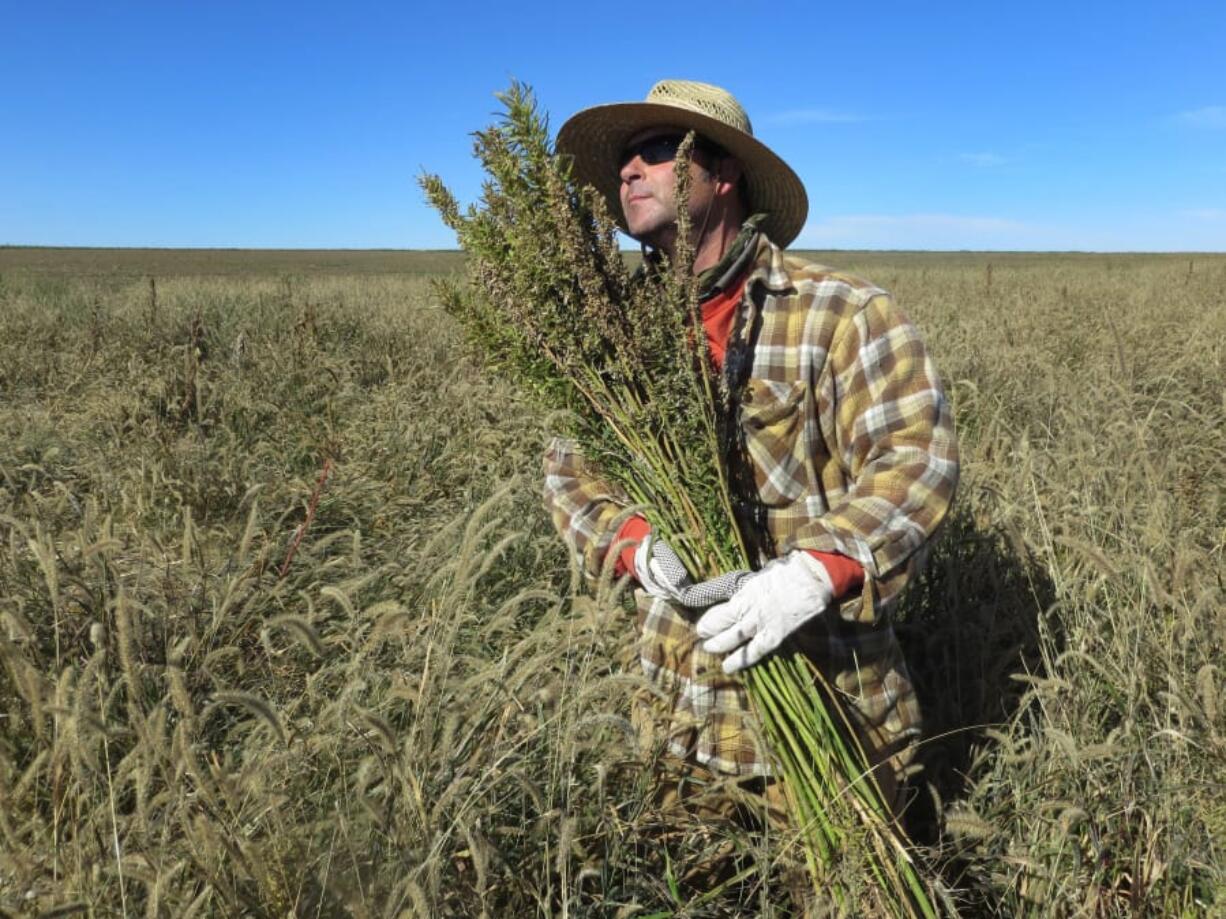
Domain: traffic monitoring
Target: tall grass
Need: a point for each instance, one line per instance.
(1095, 406)
(423, 717)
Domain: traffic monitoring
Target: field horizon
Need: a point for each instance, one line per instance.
(118, 263)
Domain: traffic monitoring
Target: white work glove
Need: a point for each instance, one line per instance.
(660, 572)
(770, 606)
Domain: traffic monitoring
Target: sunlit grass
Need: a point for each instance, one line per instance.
(426, 716)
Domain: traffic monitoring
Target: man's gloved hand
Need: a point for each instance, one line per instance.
(769, 606)
(660, 572)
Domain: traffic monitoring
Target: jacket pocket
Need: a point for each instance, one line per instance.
(772, 417)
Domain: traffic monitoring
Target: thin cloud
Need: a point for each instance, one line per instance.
(983, 159)
(1210, 116)
(942, 221)
(1205, 213)
(1170, 231)
(812, 116)
(916, 231)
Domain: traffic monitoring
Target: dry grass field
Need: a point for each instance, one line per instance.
(284, 630)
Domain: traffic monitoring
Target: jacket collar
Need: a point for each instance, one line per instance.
(769, 269)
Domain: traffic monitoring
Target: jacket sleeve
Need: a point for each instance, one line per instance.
(586, 509)
(885, 417)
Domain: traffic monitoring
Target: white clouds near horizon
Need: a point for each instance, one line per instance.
(1205, 213)
(1191, 230)
(912, 231)
(1209, 116)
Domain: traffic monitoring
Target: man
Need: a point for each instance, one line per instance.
(845, 447)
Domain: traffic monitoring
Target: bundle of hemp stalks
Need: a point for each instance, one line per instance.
(553, 305)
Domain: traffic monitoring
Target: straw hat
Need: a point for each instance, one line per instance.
(595, 138)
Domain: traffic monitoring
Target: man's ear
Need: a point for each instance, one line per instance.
(728, 172)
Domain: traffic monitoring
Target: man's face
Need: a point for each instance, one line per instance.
(647, 191)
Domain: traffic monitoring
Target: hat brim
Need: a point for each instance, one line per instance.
(595, 138)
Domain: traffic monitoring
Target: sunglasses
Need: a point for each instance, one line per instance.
(662, 148)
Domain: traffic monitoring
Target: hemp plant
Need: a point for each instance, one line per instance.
(553, 305)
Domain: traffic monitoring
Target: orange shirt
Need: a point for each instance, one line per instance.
(717, 315)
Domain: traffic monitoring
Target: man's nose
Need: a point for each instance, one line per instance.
(631, 169)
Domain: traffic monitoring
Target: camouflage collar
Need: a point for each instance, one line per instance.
(724, 272)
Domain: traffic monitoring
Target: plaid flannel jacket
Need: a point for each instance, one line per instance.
(852, 449)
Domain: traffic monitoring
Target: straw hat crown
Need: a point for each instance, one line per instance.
(703, 98)
(595, 138)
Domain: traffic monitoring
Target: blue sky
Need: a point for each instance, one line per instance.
(1077, 125)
